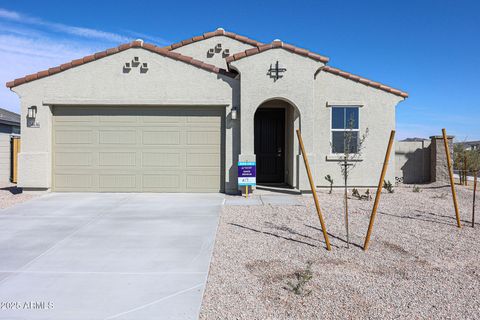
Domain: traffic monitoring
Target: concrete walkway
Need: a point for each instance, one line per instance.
(107, 256)
(265, 199)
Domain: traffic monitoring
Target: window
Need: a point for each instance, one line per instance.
(345, 129)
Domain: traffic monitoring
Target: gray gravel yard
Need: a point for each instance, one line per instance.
(419, 264)
(10, 196)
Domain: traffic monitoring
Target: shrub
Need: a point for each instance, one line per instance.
(301, 279)
(387, 185)
(330, 180)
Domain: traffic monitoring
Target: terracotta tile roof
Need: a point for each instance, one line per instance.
(218, 32)
(108, 52)
(365, 81)
(273, 45)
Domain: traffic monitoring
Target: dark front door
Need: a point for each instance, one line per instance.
(270, 145)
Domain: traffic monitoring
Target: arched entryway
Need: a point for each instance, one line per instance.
(275, 122)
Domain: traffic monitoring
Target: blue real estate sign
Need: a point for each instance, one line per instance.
(247, 174)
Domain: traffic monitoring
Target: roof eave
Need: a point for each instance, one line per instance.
(365, 81)
(111, 51)
(277, 45)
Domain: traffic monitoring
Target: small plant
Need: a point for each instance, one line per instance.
(416, 189)
(359, 196)
(440, 196)
(356, 194)
(368, 195)
(301, 279)
(330, 180)
(387, 185)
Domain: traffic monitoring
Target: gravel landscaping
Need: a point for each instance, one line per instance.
(419, 264)
(11, 195)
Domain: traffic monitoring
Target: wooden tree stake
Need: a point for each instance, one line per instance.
(474, 191)
(450, 172)
(314, 191)
(379, 190)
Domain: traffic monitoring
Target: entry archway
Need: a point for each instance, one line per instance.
(275, 122)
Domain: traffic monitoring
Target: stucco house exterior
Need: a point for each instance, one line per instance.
(142, 118)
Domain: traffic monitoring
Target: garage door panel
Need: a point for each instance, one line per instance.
(123, 159)
(208, 119)
(202, 181)
(117, 137)
(115, 181)
(117, 119)
(163, 159)
(74, 137)
(134, 149)
(150, 118)
(170, 137)
(203, 138)
(202, 160)
(74, 181)
(69, 159)
(162, 182)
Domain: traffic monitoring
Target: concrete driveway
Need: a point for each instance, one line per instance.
(107, 256)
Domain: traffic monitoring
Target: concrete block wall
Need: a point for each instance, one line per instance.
(412, 161)
(439, 166)
(422, 161)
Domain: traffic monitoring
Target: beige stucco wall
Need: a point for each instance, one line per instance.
(103, 82)
(377, 113)
(199, 49)
(296, 87)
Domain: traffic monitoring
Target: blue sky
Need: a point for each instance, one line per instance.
(431, 49)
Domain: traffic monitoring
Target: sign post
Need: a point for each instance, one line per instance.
(247, 175)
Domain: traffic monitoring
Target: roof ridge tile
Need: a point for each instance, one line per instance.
(111, 51)
(218, 32)
(273, 45)
(365, 81)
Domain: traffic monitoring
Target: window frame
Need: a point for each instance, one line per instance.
(331, 106)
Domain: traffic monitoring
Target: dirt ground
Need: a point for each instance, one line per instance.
(419, 264)
(10, 195)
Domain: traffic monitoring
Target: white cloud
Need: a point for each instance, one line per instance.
(9, 14)
(58, 27)
(29, 44)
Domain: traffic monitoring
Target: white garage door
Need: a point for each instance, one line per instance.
(137, 149)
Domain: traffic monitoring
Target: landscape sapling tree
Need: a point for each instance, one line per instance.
(474, 160)
(353, 145)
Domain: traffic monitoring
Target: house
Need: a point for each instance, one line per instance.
(469, 145)
(9, 125)
(142, 118)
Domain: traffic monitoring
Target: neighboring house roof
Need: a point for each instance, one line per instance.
(108, 52)
(218, 32)
(166, 51)
(365, 81)
(9, 117)
(468, 143)
(273, 45)
(415, 139)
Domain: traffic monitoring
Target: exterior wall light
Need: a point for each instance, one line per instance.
(32, 117)
(234, 113)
